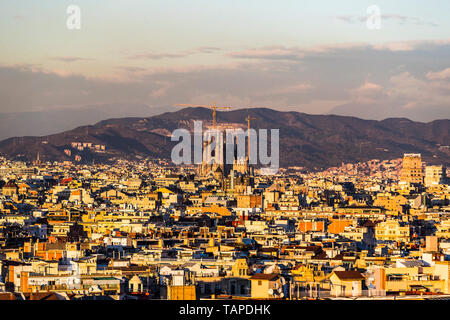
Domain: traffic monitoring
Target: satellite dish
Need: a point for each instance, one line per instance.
(270, 292)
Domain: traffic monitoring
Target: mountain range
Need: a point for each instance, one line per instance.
(310, 141)
(40, 123)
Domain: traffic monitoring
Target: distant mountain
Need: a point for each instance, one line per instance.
(382, 110)
(39, 123)
(311, 141)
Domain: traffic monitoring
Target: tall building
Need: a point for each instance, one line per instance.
(214, 161)
(411, 171)
(241, 166)
(434, 175)
(214, 155)
(37, 162)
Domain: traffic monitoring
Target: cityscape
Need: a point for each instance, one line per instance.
(150, 229)
(224, 157)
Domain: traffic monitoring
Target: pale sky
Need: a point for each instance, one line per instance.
(308, 56)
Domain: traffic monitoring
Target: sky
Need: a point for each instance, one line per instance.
(317, 57)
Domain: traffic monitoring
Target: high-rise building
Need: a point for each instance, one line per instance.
(411, 171)
(434, 175)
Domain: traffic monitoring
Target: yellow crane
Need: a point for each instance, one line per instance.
(248, 121)
(213, 107)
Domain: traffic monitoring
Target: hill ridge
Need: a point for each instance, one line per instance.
(312, 141)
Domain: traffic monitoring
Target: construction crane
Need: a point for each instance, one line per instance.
(248, 121)
(213, 107)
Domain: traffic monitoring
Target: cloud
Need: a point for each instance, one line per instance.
(351, 78)
(368, 92)
(70, 59)
(403, 95)
(161, 91)
(439, 75)
(207, 49)
(296, 54)
(410, 90)
(400, 19)
(268, 53)
(158, 56)
(411, 45)
(131, 69)
(295, 88)
(403, 20)
(173, 55)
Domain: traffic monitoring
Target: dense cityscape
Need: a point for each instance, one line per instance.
(212, 159)
(151, 230)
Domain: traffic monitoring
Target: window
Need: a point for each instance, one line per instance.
(259, 282)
